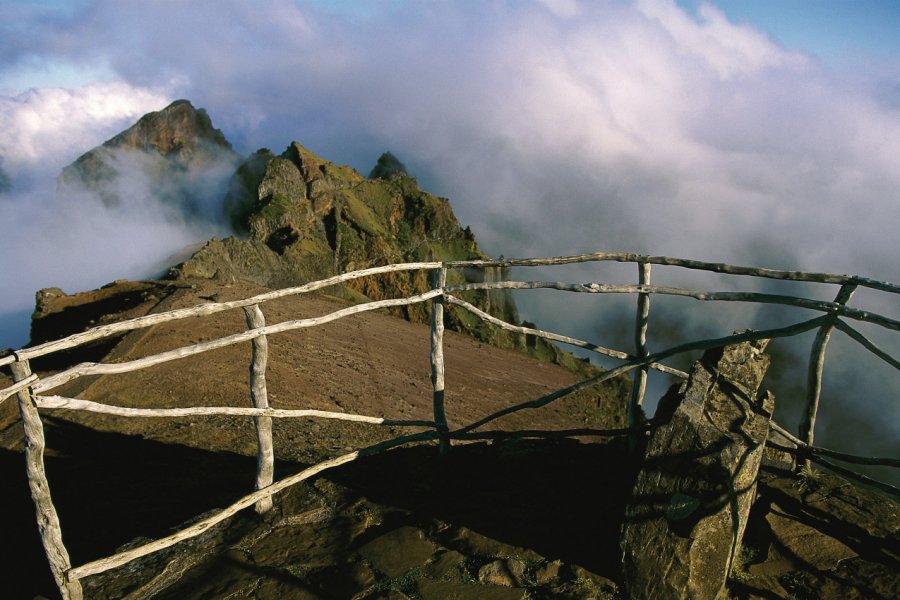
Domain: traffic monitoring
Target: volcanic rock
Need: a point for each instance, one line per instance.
(306, 218)
(170, 150)
(692, 497)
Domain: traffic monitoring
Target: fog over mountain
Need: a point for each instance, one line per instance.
(554, 127)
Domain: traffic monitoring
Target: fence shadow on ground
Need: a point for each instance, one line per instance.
(109, 488)
(562, 499)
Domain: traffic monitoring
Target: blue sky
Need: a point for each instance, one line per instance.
(759, 109)
(830, 29)
(655, 103)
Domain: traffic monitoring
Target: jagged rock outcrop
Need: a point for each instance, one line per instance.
(307, 218)
(298, 216)
(174, 149)
(693, 493)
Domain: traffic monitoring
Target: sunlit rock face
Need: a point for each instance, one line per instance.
(304, 218)
(174, 153)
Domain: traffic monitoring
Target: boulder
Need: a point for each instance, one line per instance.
(693, 493)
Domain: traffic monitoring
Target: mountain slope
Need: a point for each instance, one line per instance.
(509, 519)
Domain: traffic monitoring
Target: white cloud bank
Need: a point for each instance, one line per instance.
(43, 130)
(71, 241)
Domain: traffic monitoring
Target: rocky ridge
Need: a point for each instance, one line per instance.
(299, 218)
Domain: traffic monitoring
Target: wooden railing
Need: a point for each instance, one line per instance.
(31, 390)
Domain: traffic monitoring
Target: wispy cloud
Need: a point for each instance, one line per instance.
(42, 130)
(71, 240)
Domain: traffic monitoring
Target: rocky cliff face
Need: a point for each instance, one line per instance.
(306, 218)
(692, 496)
(174, 150)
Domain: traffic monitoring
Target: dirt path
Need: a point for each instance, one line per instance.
(373, 364)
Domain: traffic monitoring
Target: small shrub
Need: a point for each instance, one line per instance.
(808, 479)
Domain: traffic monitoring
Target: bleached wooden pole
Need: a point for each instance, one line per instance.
(814, 373)
(47, 519)
(117, 560)
(639, 385)
(439, 280)
(265, 457)
(547, 335)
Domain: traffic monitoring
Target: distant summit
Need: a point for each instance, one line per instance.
(166, 146)
(179, 129)
(387, 166)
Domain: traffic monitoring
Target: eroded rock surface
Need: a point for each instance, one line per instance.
(693, 494)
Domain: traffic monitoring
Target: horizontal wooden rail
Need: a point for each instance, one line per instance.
(96, 333)
(244, 336)
(31, 386)
(815, 455)
(867, 344)
(547, 335)
(849, 474)
(61, 402)
(788, 331)
(806, 449)
(117, 560)
(723, 268)
(17, 387)
(599, 288)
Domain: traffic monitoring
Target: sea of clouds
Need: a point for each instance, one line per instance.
(554, 127)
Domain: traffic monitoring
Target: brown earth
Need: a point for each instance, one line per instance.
(370, 363)
(507, 519)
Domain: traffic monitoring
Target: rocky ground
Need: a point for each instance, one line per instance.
(506, 519)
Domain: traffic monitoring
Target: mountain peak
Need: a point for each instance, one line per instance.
(387, 166)
(171, 129)
(165, 144)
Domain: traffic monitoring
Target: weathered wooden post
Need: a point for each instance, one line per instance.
(814, 374)
(265, 458)
(439, 280)
(47, 519)
(639, 386)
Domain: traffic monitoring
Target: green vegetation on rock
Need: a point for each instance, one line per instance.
(387, 166)
(304, 218)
